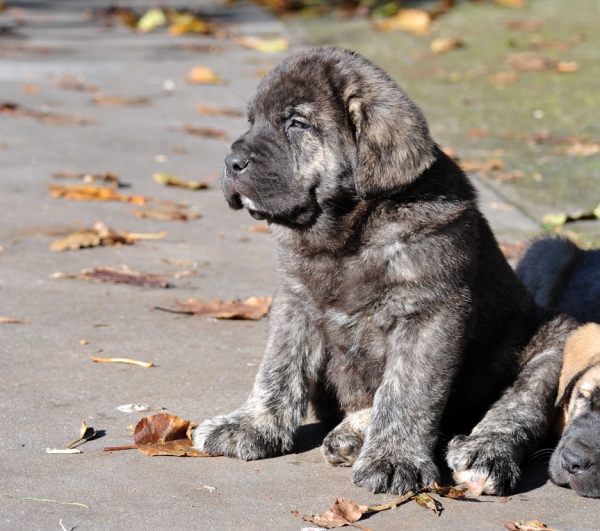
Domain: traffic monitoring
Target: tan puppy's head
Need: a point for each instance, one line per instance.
(576, 460)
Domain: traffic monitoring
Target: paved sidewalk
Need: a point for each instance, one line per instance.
(48, 385)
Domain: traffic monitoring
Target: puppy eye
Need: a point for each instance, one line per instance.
(298, 124)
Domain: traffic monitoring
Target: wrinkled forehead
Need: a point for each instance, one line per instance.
(589, 383)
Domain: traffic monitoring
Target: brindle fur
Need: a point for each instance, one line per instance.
(392, 292)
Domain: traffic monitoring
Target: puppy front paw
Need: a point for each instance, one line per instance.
(243, 435)
(486, 463)
(394, 476)
(341, 446)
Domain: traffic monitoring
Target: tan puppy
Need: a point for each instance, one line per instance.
(576, 460)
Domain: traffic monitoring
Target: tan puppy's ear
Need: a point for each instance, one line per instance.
(393, 144)
(582, 351)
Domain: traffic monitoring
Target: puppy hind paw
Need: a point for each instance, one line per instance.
(341, 447)
(486, 464)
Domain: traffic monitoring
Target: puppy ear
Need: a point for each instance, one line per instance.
(393, 144)
(582, 351)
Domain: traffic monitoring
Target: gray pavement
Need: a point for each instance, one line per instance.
(203, 367)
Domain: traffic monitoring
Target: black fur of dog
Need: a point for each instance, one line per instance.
(395, 307)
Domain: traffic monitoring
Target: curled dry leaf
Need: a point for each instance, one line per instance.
(92, 193)
(450, 492)
(11, 320)
(532, 525)
(88, 178)
(165, 213)
(412, 20)
(262, 45)
(252, 308)
(427, 502)
(206, 132)
(203, 75)
(86, 433)
(342, 513)
(117, 101)
(13, 109)
(123, 275)
(164, 434)
(167, 179)
(98, 235)
(211, 111)
(445, 45)
(512, 251)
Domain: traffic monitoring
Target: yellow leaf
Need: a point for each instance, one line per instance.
(151, 19)
(262, 45)
(412, 20)
(203, 75)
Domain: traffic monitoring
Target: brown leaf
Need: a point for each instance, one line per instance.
(501, 78)
(427, 502)
(530, 62)
(472, 166)
(445, 45)
(72, 82)
(203, 75)
(11, 320)
(212, 111)
(206, 132)
(511, 3)
(342, 513)
(106, 177)
(580, 149)
(164, 434)
(566, 67)
(183, 23)
(512, 251)
(120, 275)
(98, 235)
(28, 88)
(117, 101)
(166, 213)
(252, 308)
(13, 109)
(450, 492)
(85, 434)
(532, 525)
(524, 25)
(259, 227)
(92, 193)
(167, 179)
(412, 20)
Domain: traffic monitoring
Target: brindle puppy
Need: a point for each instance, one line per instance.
(561, 276)
(392, 292)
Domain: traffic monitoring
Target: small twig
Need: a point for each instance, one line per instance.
(153, 236)
(123, 360)
(391, 505)
(63, 450)
(118, 448)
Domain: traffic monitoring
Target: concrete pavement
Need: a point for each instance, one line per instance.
(202, 367)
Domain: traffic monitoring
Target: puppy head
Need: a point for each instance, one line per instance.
(576, 460)
(326, 127)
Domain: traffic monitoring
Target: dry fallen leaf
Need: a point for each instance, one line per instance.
(183, 23)
(525, 25)
(412, 20)
(116, 101)
(164, 434)
(92, 193)
(211, 111)
(512, 251)
(150, 20)
(342, 513)
(580, 149)
(203, 75)
(449, 492)
(532, 62)
(472, 166)
(72, 82)
(556, 220)
(511, 3)
(47, 117)
(28, 88)
(533, 525)
(85, 434)
(252, 308)
(501, 78)
(166, 213)
(106, 177)
(445, 45)
(262, 45)
(260, 227)
(427, 502)
(123, 275)
(206, 132)
(167, 179)
(10, 320)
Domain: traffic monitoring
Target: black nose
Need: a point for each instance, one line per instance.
(236, 162)
(574, 459)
